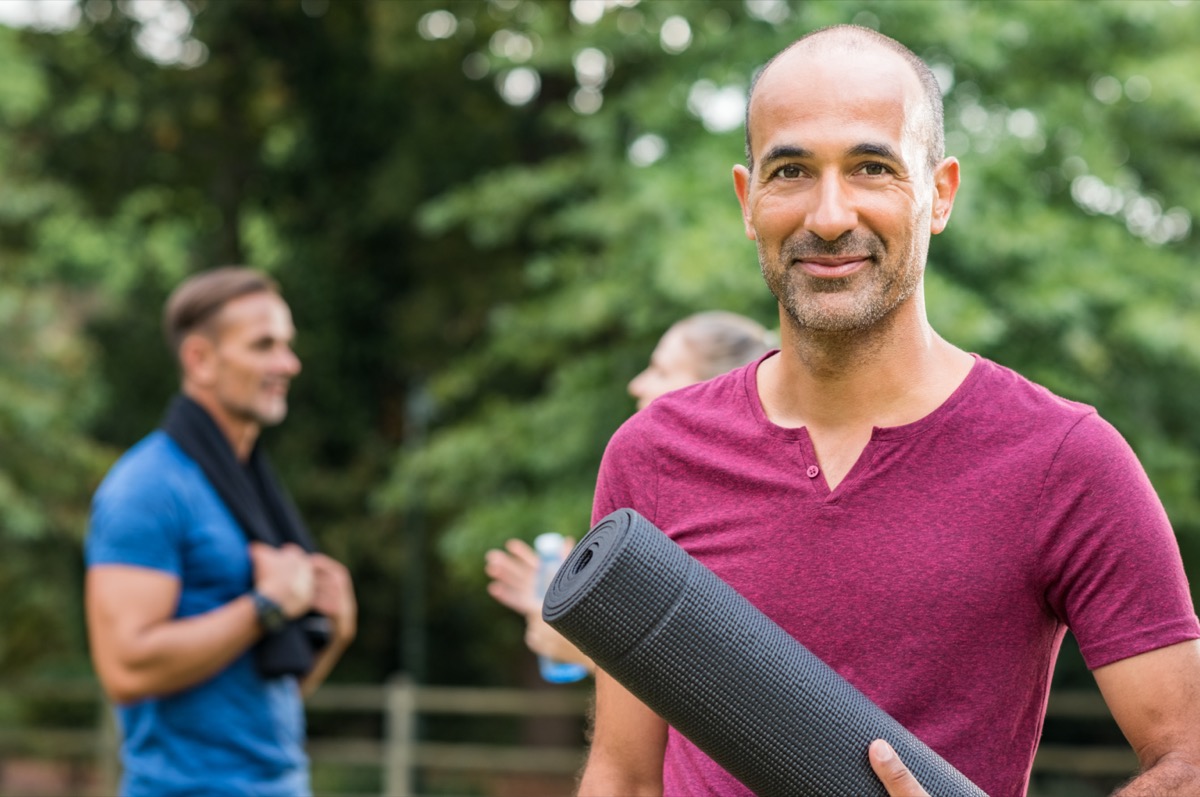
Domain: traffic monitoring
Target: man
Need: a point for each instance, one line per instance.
(926, 521)
(209, 615)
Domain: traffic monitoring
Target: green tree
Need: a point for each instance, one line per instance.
(1066, 257)
(485, 212)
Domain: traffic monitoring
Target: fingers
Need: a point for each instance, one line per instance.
(285, 575)
(333, 596)
(523, 552)
(519, 602)
(512, 567)
(891, 771)
(514, 574)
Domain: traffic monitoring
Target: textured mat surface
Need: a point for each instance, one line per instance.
(722, 673)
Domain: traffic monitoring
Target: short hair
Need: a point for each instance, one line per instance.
(722, 340)
(196, 301)
(857, 36)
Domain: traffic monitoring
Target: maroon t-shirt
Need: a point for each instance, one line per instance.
(942, 573)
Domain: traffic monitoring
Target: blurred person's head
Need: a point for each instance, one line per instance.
(231, 332)
(697, 348)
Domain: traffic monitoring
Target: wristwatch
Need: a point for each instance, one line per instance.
(270, 614)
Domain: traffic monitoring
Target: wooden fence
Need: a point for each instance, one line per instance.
(88, 754)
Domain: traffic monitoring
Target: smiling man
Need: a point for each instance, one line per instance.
(926, 521)
(209, 611)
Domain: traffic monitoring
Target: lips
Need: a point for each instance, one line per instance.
(832, 267)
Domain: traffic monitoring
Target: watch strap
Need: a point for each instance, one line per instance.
(270, 614)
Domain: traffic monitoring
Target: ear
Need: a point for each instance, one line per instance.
(741, 187)
(945, 187)
(197, 358)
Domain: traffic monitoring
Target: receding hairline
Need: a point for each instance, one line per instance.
(721, 340)
(852, 38)
(197, 303)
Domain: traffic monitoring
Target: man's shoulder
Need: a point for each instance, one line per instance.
(1010, 394)
(716, 402)
(154, 463)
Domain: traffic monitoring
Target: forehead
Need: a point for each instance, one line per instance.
(672, 349)
(834, 95)
(255, 314)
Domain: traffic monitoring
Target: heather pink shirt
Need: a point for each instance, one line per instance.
(942, 573)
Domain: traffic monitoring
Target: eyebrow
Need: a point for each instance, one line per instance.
(788, 152)
(878, 150)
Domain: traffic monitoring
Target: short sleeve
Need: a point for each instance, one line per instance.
(1112, 567)
(628, 476)
(136, 521)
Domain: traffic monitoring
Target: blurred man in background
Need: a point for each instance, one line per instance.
(210, 614)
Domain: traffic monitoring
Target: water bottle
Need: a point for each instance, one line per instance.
(549, 547)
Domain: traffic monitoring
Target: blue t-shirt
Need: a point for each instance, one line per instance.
(236, 733)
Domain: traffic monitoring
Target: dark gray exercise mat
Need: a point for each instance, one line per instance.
(722, 673)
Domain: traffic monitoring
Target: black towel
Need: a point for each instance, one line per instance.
(722, 673)
(266, 514)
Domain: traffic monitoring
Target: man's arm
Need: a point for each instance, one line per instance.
(139, 650)
(333, 596)
(1155, 698)
(628, 742)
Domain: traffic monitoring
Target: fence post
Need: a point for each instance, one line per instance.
(107, 749)
(400, 707)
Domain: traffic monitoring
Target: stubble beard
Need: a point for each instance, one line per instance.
(879, 291)
(269, 413)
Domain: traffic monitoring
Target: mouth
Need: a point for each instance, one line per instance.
(832, 267)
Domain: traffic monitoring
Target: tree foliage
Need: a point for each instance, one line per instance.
(484, 213)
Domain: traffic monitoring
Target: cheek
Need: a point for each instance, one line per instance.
(776, 218)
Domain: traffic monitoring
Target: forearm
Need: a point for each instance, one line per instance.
(628, 742)
(173, 655)
(1171, 776)
(326, 660)
(605, 779)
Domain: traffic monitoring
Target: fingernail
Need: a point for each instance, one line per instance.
(883, 751)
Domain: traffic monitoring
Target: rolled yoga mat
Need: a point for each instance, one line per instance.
(722, 673)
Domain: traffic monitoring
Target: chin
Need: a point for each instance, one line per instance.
(273, 416)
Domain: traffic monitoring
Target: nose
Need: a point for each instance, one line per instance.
(834, 213)
(637, 387)
(290, 362)
(632, 387)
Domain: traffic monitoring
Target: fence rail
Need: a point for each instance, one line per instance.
(398, 753)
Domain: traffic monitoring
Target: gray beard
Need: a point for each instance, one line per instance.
(790, 287)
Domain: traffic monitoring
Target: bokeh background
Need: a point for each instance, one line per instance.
(484, 213)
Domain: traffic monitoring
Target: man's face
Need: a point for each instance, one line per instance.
(841, 202)
(672, 365)
(252, 362)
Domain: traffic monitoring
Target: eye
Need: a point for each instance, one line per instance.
(789, 172)
(875, 169)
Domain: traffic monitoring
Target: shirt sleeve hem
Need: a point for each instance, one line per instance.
(1144, 641)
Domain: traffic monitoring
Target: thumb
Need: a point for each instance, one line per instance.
(891, 771)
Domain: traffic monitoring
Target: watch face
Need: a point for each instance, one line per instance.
(270, 615)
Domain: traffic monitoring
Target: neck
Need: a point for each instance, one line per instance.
(241, 433)
(892, 374)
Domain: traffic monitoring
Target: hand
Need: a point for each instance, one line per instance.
(333, 596)
(514, 577)
(545, 641)
(285, 575)
(891, 771)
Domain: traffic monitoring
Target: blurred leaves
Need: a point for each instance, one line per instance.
(475, 281)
